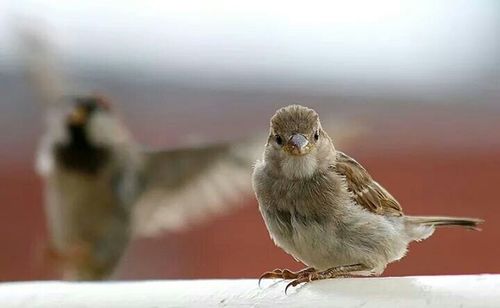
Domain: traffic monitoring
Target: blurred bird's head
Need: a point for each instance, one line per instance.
(91, 134)
(91, 120)
(84, 108)
(297, 145)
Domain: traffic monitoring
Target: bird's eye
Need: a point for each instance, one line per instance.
(279, 140)
(316, 135)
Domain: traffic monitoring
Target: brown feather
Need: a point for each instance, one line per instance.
(365, 191)
(439, 221)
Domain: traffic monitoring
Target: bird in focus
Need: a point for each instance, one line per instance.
(323, 208)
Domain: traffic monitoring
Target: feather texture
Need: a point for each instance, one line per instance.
(365, 191)
(186, 186)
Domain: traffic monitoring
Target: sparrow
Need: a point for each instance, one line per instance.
(323, 208)
(102, 188)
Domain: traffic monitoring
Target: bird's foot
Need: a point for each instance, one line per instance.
(79, 253)
(74, 254)
(285, 274)
(48, 255)
(334, 272)
(65, 261)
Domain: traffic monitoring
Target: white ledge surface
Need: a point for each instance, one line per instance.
(420, 291)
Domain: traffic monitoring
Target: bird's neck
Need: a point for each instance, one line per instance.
(79, 154)
(302, 167)
(299, 167)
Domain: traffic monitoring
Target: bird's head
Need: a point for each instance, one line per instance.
(82, 133)
(92, 120)
(84, 108)
(297, 145)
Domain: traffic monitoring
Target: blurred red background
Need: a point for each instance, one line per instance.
(420, 79)
(435, 160)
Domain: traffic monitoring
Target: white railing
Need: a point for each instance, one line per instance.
(418, 291)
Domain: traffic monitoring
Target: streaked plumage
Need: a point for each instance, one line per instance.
(323, 208)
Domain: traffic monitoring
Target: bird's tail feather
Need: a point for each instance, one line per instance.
(441, 221)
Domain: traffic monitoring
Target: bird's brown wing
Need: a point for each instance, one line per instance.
(365, 191)
(183, 187)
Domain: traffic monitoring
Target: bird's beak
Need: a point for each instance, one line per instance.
(78, 116)
(298, 145)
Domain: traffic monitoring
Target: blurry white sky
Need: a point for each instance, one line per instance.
(426, 43)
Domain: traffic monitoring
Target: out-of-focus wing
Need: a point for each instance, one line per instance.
(47, 84)
(185, 186)
(43, 72)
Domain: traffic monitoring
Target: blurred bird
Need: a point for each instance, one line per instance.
(322, 207)
(102, 188)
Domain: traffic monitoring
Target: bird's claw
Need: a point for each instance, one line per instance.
(285, 274)
(277, 273)
(308, 276)
(304, 277)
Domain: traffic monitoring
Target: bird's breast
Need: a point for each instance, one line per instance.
(299, 167)
(311, 219)
(79, 206)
